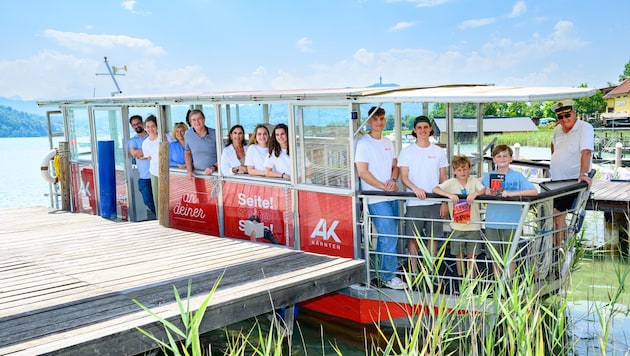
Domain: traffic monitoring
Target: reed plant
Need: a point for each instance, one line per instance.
(505, 316)
(187, 341)
(518, 315)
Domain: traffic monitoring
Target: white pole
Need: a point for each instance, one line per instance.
(517, 151)
(618, 149)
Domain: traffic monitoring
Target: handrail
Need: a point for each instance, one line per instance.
(531, 243)
(541, 195)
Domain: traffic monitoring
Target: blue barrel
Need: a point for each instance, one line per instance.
(107, 179)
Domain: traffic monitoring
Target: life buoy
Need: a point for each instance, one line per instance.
(46, 173)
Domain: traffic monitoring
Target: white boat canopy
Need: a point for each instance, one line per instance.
(455, 93)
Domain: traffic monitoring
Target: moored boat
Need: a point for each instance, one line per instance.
(322, 209)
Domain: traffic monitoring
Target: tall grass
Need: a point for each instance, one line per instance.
(539, 138)
(510, 317)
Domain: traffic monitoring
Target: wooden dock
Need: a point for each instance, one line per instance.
(67, 281)
(610, 196)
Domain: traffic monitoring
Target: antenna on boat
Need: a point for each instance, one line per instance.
(113, 71)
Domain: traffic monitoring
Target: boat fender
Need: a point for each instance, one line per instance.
(46, 173)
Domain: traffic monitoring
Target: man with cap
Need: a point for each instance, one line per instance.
(422, 167)
(571, 157)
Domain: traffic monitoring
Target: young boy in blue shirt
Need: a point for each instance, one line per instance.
(502, 219)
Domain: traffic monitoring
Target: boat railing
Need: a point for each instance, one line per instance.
(531, 245)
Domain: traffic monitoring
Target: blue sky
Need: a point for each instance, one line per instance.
(53, 49)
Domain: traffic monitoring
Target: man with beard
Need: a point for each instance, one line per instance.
(135, 150)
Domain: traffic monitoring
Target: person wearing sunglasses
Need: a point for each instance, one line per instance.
(571, 158)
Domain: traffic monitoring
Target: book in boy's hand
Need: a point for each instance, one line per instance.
(461, 212)
(496, 183)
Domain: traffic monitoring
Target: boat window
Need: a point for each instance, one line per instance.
(208, 112)
(323, 146)
(79, 134)
(250, 115)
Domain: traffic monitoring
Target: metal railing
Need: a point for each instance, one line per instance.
(531, 244)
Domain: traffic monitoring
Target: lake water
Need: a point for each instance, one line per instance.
(22, 186)
(22, 183)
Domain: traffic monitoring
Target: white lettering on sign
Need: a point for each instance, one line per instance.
(189, 212)
(190, 198)
(326, 233)
(255, 201)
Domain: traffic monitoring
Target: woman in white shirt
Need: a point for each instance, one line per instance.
(150, 150)
(257, 151)
(233, 155)
(278, 163)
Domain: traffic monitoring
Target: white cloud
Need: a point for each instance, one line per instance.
(429, 3)
(476, 23)
(88, 43)
(54, 75)
(304, 44)
(129, 5)
(518, 9)
(401, 26)
(495, 61)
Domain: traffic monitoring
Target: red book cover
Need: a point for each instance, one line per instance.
(461, 212)
(496, 183)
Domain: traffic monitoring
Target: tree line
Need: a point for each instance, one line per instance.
(15, 123)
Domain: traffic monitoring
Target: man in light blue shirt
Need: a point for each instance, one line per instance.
(135, 150)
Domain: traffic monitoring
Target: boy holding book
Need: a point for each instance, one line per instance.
(502, 219)
(466, 223)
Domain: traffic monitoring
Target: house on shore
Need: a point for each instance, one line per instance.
(617, 106)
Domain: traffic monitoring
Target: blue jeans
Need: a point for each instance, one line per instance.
(387, 241)
(144, 185)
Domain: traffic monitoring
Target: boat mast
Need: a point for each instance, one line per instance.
(113, 73)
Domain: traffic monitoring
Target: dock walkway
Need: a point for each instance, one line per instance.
(610, 196)
(67, 281)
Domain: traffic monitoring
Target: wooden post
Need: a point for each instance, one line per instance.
(163, 184)
(517, 151)
(64, 175)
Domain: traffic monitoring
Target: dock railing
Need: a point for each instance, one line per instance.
(531, 245)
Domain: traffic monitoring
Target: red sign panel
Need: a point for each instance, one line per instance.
(326, 224)
(193, 205)
(257, 213)
(83, 196)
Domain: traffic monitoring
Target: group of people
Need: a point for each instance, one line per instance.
(195, 149)
(422, 168)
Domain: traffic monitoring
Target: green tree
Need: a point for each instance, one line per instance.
(591, 106)
(626, 72)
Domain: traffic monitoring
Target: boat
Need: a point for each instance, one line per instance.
(322, 212)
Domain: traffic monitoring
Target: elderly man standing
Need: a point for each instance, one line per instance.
(571, 157)
(201, 146)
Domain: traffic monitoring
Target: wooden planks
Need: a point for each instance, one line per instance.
(610, 196)
(67, 280)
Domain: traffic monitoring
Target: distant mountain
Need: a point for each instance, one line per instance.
(17, 123)
(28, 106)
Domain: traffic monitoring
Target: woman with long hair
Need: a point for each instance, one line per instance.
(278, 163)
(150, 150)
(257, 151)
(233, 155)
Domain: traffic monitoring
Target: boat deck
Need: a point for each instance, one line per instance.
(67, 281)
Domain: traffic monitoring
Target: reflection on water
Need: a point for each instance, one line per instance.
(594, 285)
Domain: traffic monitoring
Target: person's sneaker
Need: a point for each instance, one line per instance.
(395, 283)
